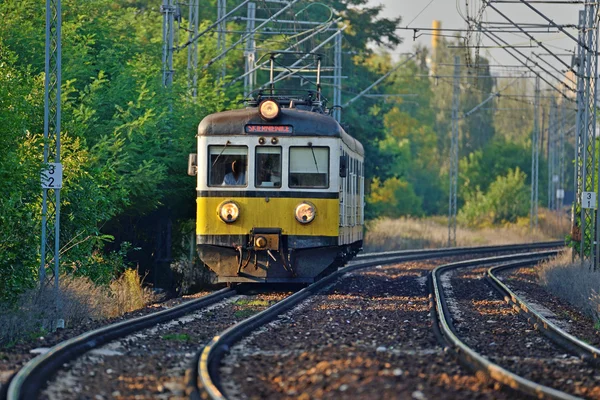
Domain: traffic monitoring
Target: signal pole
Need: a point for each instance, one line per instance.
(453, 172)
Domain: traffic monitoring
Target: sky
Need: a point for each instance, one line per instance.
(420, 13)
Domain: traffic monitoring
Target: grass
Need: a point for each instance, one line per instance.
(177, 337)
(33, 313)
(252, 302)
(246, 313)
(573, 282)
(412, 233)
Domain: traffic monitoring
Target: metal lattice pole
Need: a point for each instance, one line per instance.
(168, 10)
(552, 156)
(591, 128)
(453, 172)
(52, 174)
(560, 194)
(576, 230)
(535, 154)
(221, 32)
(589, 72)
(250, 53)
(192, 63)
(337, 80)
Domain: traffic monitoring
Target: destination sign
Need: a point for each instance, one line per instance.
(269, 129)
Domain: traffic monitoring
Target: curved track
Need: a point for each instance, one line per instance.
(576, 346)
(204, 377)
(539, 376)
(32, 377)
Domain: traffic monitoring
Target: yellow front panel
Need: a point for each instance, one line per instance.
(276, 213)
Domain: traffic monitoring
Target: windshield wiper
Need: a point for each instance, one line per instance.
(314, 158)
(224, 147)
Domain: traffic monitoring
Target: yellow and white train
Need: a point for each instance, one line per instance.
(280, 189)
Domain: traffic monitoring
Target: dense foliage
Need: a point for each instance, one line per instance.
(125, 137)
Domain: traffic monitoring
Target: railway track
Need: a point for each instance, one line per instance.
(205, 377)
(30, 379)
(498, 343)
(28, 382)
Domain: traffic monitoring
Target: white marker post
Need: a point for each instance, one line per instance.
(588, 200)
(52, 176)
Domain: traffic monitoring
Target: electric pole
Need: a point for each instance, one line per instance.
(168, 10)
(250, 53)
(337, 78)
(535, 157)
(453, 172)
(52, 169)
(192, 64)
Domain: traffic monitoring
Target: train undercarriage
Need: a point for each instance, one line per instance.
(268, 256)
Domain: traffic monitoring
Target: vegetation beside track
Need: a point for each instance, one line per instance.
(388, 234)
(574, 282)
(125, 137)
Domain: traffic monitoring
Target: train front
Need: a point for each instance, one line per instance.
(268, 194)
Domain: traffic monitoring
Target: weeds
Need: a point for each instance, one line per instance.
(128, 294)
(246, 313)
(252, 302)
(79, 299)
(412, 233)
(178, 337)
(573, 282)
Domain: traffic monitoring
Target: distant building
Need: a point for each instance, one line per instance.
(435, 45)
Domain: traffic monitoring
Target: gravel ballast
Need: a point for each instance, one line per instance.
(367, 336)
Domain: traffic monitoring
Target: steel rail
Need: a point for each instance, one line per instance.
(27, 383)
(442, 320)
(461, 250)
(203, 378)
(571, 343)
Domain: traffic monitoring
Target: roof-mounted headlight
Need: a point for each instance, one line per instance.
(228, 211)
(305, 212)
(268, 109)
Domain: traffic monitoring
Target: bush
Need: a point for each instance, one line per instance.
(393, 198)
(506, 200)
(128, 294)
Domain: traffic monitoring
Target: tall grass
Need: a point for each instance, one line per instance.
(79, 300)
(573, 282)
(412, 233)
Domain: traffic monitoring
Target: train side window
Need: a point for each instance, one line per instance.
(268, 167)
(228, 165)
(309, 167)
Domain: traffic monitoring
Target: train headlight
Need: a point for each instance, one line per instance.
(268, 109)
(228, 211)
(305, 212)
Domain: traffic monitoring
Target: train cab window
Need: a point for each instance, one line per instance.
(227, 165)
(309, 167)
(268, 167)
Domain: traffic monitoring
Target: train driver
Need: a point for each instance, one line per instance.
(236, 177)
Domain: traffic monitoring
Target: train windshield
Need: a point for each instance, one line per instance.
(309, 167)
(268, 167)
(227, 165)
